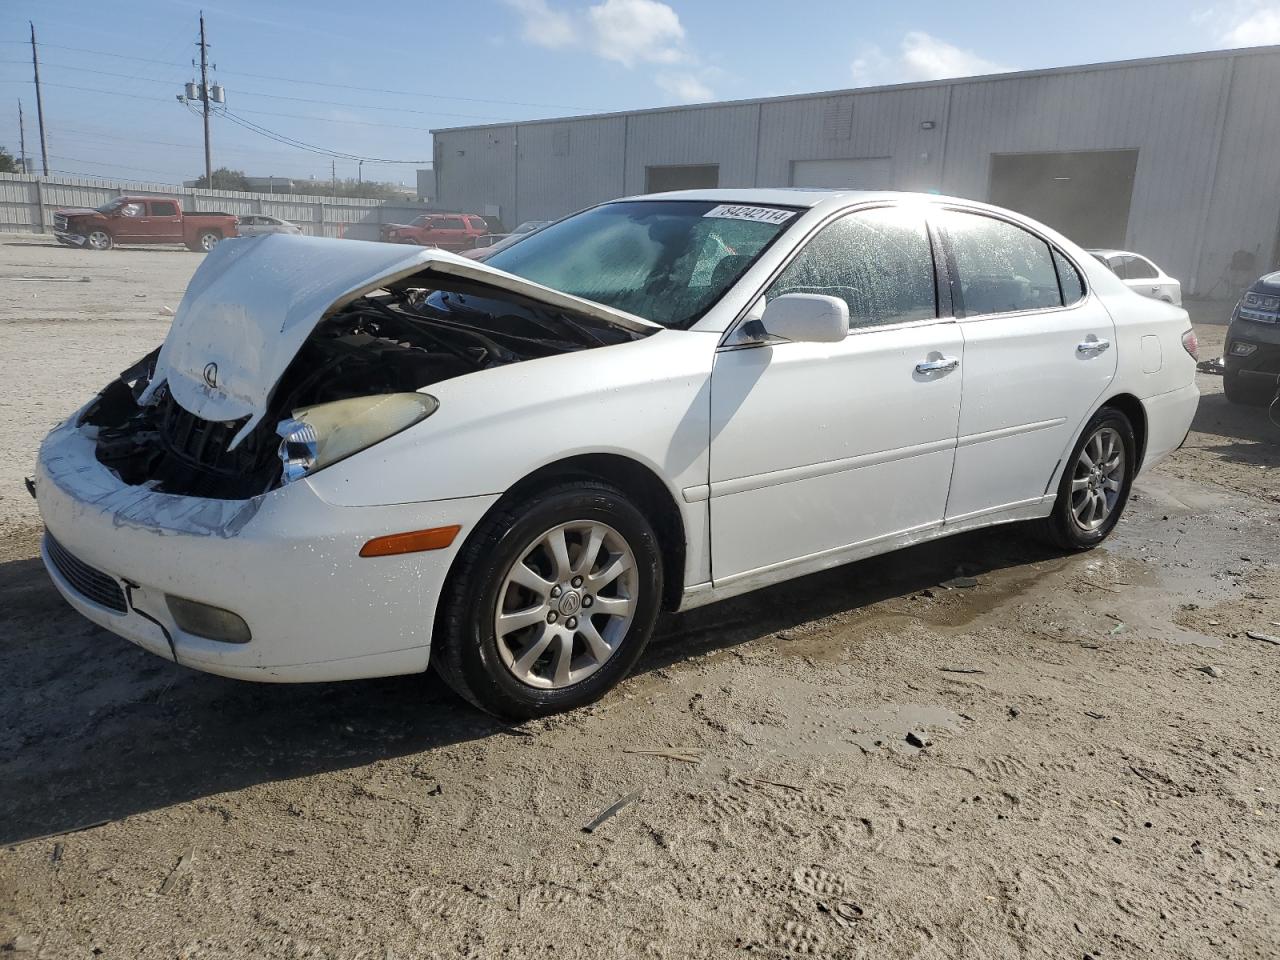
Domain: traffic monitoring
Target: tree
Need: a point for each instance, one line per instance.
(226, 179)
(8, 164)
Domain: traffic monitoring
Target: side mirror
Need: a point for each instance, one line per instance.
(807, 318)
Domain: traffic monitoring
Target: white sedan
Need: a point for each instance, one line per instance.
(257, 224)
(348, 458)
(1141, 275)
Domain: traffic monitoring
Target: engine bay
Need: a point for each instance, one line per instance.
(397, 340)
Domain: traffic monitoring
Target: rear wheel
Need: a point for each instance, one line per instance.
(207, 240)
(1095, 484)
(98, 240)
(550, 603)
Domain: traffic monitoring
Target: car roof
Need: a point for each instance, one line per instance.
(775, 196)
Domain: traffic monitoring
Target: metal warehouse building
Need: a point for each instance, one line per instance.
(1176, 157)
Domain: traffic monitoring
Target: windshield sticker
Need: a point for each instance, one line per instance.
(734, 211)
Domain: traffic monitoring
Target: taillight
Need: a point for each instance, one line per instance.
(1191, 344)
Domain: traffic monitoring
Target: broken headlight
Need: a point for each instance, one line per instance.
(315, 437)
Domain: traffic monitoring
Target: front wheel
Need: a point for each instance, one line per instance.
(1095, 483)
(98, 240)
(550, 603)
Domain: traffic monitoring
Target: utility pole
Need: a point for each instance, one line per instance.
(35, 66)
(333, 177)
(22, 138)
(204, 96)
(360, 173)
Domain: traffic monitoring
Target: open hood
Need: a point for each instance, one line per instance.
(253, 302)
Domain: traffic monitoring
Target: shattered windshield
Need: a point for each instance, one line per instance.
(110, 207)
(665, 260)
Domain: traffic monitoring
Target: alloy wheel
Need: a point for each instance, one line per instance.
(566, 605)
(208, 241)
(1098, 479)
(99, 240)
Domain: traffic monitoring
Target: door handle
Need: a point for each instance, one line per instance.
(937, 366)
(1091, 346)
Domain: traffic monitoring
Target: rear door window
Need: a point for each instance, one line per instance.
(1001, 268)
(878, 261)
(164, 208)
(449, 223)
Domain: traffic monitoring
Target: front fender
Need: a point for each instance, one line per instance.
(648, 400)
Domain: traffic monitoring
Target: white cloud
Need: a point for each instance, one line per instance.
(543, 26)
(636, 31)
(920, 56)
(684, 87)
(629, 32)
(1253, 23)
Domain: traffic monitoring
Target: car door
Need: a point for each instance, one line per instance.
(1038, 353)
(819, 448)
(130, 222)
(249, 226)
(165, 225)
(451, 233)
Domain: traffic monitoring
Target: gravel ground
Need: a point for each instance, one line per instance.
(1075, 757)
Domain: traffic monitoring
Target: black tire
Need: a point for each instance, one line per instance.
(466, 650)
(1061, 527)
(207, 240)
(1247, 393)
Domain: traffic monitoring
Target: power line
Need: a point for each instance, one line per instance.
(277, 96)
(323, 83)
(311, 147)
(272, 96)
(291, 116)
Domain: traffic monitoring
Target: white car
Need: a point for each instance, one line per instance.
(348, 459)
(1141, 275)
(257, 224)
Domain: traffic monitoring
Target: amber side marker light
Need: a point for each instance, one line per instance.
(415, 541)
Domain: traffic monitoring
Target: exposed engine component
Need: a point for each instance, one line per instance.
(399, 341)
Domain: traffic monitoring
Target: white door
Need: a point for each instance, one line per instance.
(1038, 353)
(854, 173)
(816, 448)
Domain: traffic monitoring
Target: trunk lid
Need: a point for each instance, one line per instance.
(253, 302)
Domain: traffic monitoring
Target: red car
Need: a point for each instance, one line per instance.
(448, 231)
(141, 220)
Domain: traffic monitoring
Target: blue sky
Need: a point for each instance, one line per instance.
(370, 80)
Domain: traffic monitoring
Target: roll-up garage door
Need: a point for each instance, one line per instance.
(860, 173)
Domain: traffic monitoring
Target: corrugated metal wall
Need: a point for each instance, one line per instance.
(1206, 127)
(27, 204)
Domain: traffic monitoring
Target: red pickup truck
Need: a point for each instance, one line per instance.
(141, 220)
(448, 231)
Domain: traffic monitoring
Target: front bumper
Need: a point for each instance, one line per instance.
(70, 239)
(1264, 363)
(287, 562)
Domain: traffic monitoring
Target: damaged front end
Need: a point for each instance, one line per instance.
(283, 360)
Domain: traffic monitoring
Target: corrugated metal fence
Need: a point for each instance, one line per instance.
(27, 204)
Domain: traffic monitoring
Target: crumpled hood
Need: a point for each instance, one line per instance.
(76, 212)
(253, 302)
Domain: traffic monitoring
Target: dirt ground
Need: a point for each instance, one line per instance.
(1075, 757)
